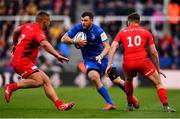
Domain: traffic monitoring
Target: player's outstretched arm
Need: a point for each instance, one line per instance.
(112, 51)
(66, 39)
(48, 47)
(155, 58)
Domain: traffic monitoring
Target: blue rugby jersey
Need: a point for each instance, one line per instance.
(95, 37)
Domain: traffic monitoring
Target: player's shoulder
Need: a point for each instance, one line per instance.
(23, 25)
(146, 31)
(142, 28)
(31, 26)
(78, 26)
(97, 28)
(123, 30)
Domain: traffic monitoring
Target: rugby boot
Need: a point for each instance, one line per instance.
(7, 92)
(109, 107)
(129, 107)
(65, 106)
(168, 109)
(135, 102)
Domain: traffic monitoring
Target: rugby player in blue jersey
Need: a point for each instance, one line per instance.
(94, 51)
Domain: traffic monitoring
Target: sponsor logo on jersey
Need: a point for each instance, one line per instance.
(93, 36)
(103, 36)
(34, 67)
(29, 27)
(135, 29)
(43, 35)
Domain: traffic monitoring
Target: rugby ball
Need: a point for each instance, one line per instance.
(82, 35)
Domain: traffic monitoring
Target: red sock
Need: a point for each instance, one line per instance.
(14, 86)
(58, 102)
(129, 91)
(162, 96)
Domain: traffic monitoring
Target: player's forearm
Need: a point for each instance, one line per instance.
(106, 50)
(155, 59)
(49, 48)
(111, 56)
(154, 55)
(112, 52)
(67, 39)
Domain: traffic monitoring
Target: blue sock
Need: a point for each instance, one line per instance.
(105, 95)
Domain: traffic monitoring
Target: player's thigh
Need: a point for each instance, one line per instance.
(92, 65)
(149, 71)
(37, 76)
(40, 76)
(155, 78)
(93, 74)
(103, 65)
(130, 70)
(45, 77)
(24, 67)
(146, 68)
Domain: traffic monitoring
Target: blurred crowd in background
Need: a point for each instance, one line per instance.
(167, 39)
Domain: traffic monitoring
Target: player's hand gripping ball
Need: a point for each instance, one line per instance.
(82, 35)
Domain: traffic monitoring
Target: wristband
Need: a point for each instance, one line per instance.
(101, 56)
(74, 41)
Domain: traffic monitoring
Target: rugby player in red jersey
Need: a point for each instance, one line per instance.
(134, 40)
(27, 39)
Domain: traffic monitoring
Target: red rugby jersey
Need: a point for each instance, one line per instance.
(134, 40)
(29, 42)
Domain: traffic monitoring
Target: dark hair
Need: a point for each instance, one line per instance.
(90, 14)
(134, 17)
(41, 14)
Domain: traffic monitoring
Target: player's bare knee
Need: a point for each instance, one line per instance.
(93, 78)
(47, 81)
(38, 83)
(115, 81)
(156, 81)
(118, 81)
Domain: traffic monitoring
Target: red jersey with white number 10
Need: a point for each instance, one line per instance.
(134, 40)
(29, 42)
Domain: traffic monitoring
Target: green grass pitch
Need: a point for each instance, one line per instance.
(32, 103)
